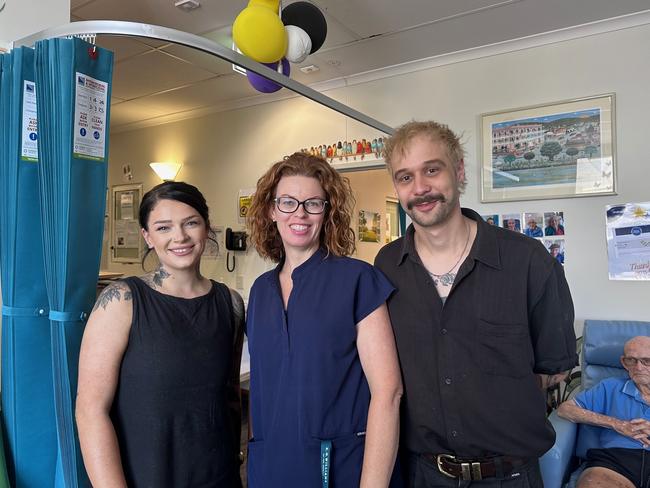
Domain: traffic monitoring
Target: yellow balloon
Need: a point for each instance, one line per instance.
(259, 32)
(271, 4)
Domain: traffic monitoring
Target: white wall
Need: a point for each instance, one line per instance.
(223, 153)
(228, 151)
(21, 18)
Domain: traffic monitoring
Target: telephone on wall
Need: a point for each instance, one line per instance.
(235, 241)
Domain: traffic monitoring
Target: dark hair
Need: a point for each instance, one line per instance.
(178, 191)
(336, 235)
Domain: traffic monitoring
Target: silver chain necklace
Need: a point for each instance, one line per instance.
(447, 279)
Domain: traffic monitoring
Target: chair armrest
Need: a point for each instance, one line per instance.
(555, 462)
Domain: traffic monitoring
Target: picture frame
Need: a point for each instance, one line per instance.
(369, 226)
(127, 244)
(554, 150)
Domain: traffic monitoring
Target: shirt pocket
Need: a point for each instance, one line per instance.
(504, 349)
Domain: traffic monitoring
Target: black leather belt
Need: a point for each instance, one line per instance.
(474, 469)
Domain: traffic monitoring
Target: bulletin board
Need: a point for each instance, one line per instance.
(126, 241)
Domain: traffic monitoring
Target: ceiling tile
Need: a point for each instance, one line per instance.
(152, 42)
(153, 72)
(325, 70)
(133, 111)
(203, 94)
(78, 3)
(363, 35)
(211, 15)
(489, 26)
(208, 62)
(122, 46)
(369, 17)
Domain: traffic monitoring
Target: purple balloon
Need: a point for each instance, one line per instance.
(265, 85)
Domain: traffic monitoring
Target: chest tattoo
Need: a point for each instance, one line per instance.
(446, 279)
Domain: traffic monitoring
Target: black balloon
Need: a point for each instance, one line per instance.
(310, 19)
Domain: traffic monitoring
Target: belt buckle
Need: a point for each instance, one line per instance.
(439, 459)
(469, 471)
(476, 472)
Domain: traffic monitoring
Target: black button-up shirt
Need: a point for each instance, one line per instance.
(469, 366)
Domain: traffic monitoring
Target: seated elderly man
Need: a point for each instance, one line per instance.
(622, 407)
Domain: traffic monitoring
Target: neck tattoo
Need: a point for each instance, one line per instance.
(155, 278)
(447, 279)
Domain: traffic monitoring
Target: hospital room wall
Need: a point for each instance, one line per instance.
(21, 18)
(227, 151)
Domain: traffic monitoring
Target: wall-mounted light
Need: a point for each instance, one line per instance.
(166, 171)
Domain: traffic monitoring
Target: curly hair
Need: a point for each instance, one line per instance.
(397, 144)
(336, 235)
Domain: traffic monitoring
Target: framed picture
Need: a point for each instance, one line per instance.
(511, 222)
(369, 226)
(127, 244)
(492, 219)
(557, 150)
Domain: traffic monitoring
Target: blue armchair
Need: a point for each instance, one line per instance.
(601, 350)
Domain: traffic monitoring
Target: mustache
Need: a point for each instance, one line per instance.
(425, 199)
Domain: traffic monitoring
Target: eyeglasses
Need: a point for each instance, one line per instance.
(630, 362)
(312, 206)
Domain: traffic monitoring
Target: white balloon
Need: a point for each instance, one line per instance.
(299, 44)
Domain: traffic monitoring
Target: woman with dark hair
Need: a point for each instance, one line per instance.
(325, 381)
(158, 398)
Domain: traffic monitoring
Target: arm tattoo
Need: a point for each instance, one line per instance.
(115, 291)
(155, 278)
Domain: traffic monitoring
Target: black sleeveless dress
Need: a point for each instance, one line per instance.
(170, 410)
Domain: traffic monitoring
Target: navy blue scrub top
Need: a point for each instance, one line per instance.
(307, 384)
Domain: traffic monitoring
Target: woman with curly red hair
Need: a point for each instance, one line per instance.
(325, 381)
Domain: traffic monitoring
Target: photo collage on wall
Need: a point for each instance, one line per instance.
(547, 227)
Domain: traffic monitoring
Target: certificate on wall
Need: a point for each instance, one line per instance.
(628, 241)
(126, 240)
(126, 205)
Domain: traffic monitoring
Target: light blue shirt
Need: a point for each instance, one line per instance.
(536, 232)
(618, 398)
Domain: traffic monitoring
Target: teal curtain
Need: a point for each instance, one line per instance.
(27, 387)
(404, 221)
(54, 116)
(73, 97)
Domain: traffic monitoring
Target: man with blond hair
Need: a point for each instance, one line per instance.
(621, 406)
(483, 320)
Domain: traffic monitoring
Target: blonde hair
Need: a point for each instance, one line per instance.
(396, 145)
(336, 235)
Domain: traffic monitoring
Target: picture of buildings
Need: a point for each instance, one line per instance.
(544, 150)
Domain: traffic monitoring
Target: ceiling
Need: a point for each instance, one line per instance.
(155, 82)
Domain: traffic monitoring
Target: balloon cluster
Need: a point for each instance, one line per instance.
(275, 40)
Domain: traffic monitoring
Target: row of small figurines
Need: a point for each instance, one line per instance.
(347, 149)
